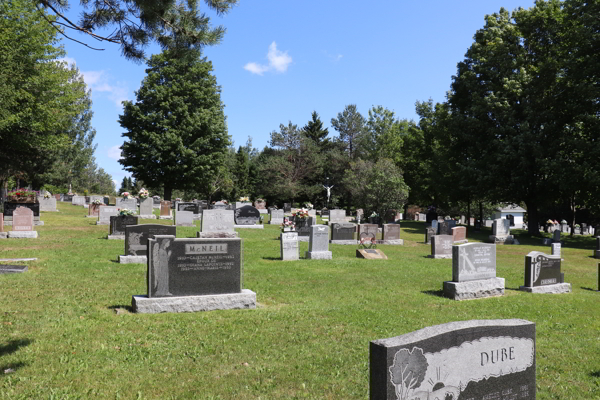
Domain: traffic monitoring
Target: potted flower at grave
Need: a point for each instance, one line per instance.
(123, 212)
(288, 225)
(47, 195)
(143, 193)
(22, 196)
(260, 203)
(308, 206)
(126, 195)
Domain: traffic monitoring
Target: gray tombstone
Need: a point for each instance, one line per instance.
(434, 225)
(48, 205)
(337, 216)
(78, 200)
(276, 217)
(184, 218)
(543, 275)
(444, 228)
(597, 251)
(318, 245)
(118, 224)
(105, 213)
(219, 205)
(501, 232)
(127, 204)
(556, 249)
(289, 246)
(343, 233)
(218, 223)
(391, 234)
(136, 241)
(194, 275)
(556, 236)
(146, 208)
(441, 246)
(477, 359)
(430, 231)
(473, 273)
(422, 217)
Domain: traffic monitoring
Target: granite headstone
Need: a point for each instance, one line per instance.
(543, 275)
(318, 245)
(247, 215)
(289, 246)
(441, 246)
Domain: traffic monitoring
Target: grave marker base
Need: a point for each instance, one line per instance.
(317, 255)
(440, 256)
(116, 237)
(478, 289)
(102, 223)
(249, 226)
(597, 253)
(344, 242)
(3, 235)
(557, 288)
(461, 241)
(23, 234)
(501, 239)
(12, 269)
(133, 260)
(212, 235)
(35, 223)
(150, 216)
(229, 301)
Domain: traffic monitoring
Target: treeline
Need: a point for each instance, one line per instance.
(45, 113)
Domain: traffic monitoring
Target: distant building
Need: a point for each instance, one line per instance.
(513, 213)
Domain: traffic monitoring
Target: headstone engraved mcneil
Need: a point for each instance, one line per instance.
(465, 360)
(191, 267)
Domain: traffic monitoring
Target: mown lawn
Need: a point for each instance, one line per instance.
(68, 331)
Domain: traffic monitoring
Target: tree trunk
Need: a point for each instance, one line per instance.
(573, 211)
(481, 213)
(469, 213)
(533, 217)
(168, 192)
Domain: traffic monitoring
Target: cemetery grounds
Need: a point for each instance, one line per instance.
(68, 331)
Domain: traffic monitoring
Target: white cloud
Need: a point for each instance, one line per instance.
(278, 61)
(333, 57)
(99, 81)
(114, 152)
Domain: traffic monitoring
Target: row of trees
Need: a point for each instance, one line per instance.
(520, 125)
(45, 112)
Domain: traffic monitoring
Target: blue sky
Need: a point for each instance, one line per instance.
(281, 60)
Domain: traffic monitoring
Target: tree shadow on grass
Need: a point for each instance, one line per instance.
(9, 348)
(438, 293)
(595, 374)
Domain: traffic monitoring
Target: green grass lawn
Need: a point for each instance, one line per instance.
(68, 331)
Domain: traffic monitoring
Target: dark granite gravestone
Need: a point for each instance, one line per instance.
(10, 207)
(542, 270)
(136, 237)
(441, 246)
(12, 269)
(67, 197)
(119, 222)
(477, 226)
(429, 232)
(444, 228)
(193, 207)
(343, 232)
(156, 201)
(247, 215)
(465, 360)
(287, 207)
(325, 213)
(303, 226)
(193, 267)
(431, 216)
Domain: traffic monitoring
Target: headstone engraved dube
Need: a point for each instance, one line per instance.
(543, 275)
(136, 241)
(318, 244)
(473, 273)
(464, 360)
(441, 246)
(289, 246)
(343, 233)
(194, 275)
(22, 224)
(118, 224)
(247, 215)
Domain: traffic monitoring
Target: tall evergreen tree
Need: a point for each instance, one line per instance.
(176, 132)
(314, 130)
(350, 125)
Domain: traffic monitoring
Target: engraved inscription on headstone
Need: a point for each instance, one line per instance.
(217, 221)
(247, 215)
(276, 217)
(473, 261)
(391, 231)
(189, 267)
(466, 360)
(318, 245)
(136, 237)
(542, 269)
(119, 222)
(342, 231)
(22, 219)
(441, 246)
(429, 232)
(289, 246)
